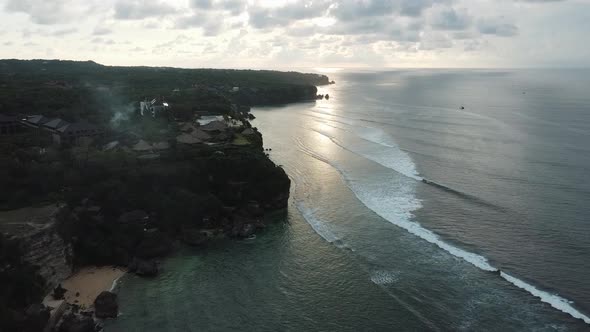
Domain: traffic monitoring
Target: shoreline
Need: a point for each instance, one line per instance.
(83, 286)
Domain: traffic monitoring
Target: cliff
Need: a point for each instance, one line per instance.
(21, 289)
(119, 207)
(45, 249)
(136, 212)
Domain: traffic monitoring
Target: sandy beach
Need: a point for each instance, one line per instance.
(89, 282)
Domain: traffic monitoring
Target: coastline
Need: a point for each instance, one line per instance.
(85, 230)
(85, 285)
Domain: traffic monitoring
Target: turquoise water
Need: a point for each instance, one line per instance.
(366, 246)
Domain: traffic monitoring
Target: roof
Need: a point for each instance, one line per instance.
(188, 139)
(55, 124)
(214, 126)
(198, 133)
(111, 146)
(161, 146)
(248, 131)
(187, 127)
(75, 127)
(37, 120)
(142, 146)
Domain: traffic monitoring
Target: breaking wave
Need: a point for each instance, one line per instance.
(394, 201)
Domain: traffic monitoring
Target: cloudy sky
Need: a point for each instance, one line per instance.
(296, 34)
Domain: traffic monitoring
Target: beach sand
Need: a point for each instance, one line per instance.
(89, 282)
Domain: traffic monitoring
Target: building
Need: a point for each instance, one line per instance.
(61, 131)
(9, 125)
(72, 133)
(54, 124)
(35, 121)
(155, 107)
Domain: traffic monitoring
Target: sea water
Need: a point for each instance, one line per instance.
(421, 200)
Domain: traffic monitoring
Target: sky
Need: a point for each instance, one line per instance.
(278, 34)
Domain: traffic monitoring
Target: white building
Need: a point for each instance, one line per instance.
(153, 107)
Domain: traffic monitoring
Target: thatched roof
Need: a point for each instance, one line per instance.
(187, 127)
(56, 123)
(161, 146)
(142, 146)
(112, 145)
(248, 131)
(198, 133)
(188, 139)
(214, 126)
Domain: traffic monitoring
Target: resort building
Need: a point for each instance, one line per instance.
(62, 131)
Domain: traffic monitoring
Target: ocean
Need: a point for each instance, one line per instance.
(422, 200)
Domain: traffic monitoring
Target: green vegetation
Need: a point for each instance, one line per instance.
(188, 189)
(87, 90)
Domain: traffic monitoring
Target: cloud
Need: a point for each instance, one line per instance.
(235, 7)
(306, 31)
(100, 40)
(141, 9)
(63, 32)
(262, 17)
(201, 4)
(46, 12)
(540, 1)
(101, 30)
(450, 19)
(496, 26)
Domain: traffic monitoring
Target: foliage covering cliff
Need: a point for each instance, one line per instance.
(192, 190)
(74, 90)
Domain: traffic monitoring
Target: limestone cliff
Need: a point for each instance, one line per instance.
(45, 249)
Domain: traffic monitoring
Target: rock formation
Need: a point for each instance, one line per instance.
(106, 306)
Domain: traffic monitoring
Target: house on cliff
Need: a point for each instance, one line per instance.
(34, 121)
(155, 107)
(61, 131)
(73, 133)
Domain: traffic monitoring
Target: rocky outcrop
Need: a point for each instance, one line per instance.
(37, 316)
(194, 237)
(143, 267)
(106, 306)
(58, 292)
(77, 323)
(154, 244)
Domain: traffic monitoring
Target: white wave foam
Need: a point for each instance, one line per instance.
(318, 226)
(384, 205)
(387, 154)
(555, 301)
(114, 284)
(384, 277)
(394, 201)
